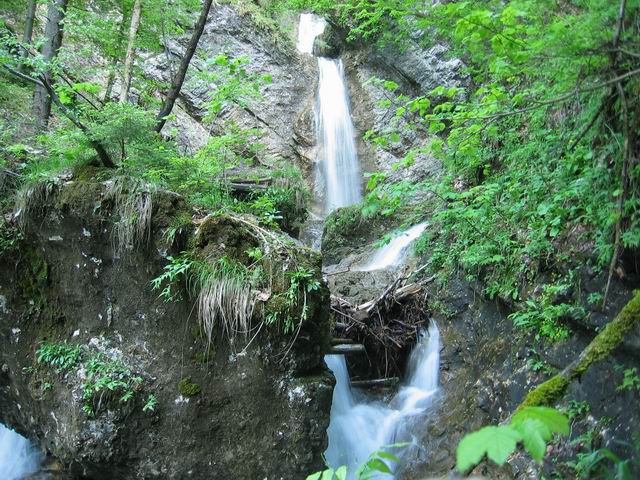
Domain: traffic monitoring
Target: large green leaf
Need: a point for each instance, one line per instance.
(555, 421)
(534, 435)
(496, 442)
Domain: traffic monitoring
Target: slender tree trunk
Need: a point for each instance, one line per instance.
(28, 28)
(52, 42)
(178, 79)
(131, 47)
(114, 61)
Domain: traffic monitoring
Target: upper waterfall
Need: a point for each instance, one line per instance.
(339, 168)
(338, 177)
(309, 28)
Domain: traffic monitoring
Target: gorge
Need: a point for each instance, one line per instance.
(363, 232)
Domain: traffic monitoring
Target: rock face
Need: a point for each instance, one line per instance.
(232, 411)
(288, 97)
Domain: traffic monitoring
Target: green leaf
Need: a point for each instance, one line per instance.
(314, 476)
(496, 442)
(555, 421)
(327, 474)
(388, 456)
(534, 436)
(341, 473)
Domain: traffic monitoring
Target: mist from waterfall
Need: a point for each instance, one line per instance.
(18, 458)
(338, 176)
(360, 426)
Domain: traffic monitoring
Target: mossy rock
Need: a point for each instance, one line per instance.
(347, 229)
(221, 235)
(188, 388)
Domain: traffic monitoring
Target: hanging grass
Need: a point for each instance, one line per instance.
(134, 207)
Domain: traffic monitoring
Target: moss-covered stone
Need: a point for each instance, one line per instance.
(344, 229)
(546, 393)
(188, 388)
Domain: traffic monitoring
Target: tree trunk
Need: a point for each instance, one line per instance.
(131, 47)
(52, 42)
(114, 62)
(28, 29)
(178, 79)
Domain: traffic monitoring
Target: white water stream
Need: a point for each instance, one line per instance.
(338, 177)
(360, 426)
(18, 458)
(393, 253)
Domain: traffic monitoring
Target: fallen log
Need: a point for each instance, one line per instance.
(341, 341)
(247, 187)
(378, 382)
(346, 349)
(601, 346)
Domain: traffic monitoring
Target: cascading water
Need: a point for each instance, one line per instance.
(339, 167)
(392, 254)
(338, 177)
(18, 458)
(360, 426)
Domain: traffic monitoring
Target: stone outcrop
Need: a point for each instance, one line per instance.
(250, 413)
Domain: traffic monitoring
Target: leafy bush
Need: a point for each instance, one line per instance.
(379, 462)
(61, 356)
(106, 380)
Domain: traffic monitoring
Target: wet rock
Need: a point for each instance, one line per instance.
(254, 414)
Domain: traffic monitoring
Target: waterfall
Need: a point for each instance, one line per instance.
(18, 458)
(392, 254)
(338, 166)
(360, 426)
(309, 27)
(338, 177)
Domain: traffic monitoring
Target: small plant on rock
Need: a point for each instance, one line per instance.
(61, 356)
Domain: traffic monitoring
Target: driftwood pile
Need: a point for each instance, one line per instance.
(387, 326)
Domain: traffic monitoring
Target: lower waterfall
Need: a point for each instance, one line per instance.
(18, 458)
(360, 426)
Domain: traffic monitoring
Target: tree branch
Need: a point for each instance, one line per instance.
(178, 79)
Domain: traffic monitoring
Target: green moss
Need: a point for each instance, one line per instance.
(34, 277)
(10, 238)
(84, 173)
(203, 357)
(79, 196)
(611, 336)
(546, 393)
(188, 388)
(276, 304)
(600, 347)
